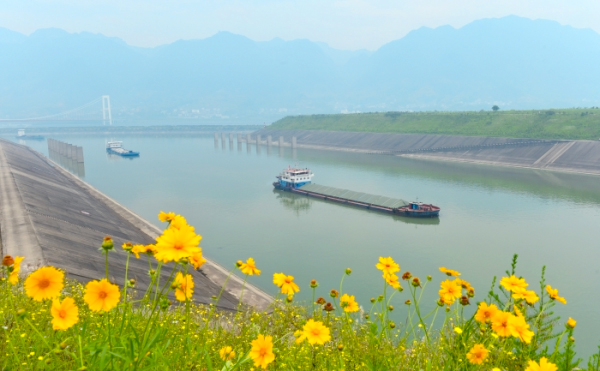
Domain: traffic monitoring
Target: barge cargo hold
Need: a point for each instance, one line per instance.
(299, 181)
(116, 148)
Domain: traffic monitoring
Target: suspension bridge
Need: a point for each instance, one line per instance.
(96, 110)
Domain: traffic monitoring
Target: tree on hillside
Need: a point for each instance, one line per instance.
(495, 108)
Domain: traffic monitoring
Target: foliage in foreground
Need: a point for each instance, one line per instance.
(52, 324)
(537, 124)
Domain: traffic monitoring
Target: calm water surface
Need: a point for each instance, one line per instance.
(488, 214)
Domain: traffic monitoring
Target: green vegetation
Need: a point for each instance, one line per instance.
(47, 323)
(573, 123)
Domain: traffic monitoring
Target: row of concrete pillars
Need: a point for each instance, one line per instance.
(70, 151)
(258, 140)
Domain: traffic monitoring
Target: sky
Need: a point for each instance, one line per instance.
(343, 24)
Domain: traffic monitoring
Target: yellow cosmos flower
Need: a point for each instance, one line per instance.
(450, 291)
(387, 265)
(392, 280)
(464, 284)
(348, 303)
(101, 295)
(544, 365)
(177, 222)
(65, 314)
(529, 295)
(513, 283)
(262, 351)
(286, 283)
(185, 287)
(477, 354)
(176, 244)
(197, 260)
(554, 295)
(166, 217)
(458, 330)
(519, 328)
(449, 272)
(14, 275)
(501, 323)
(571, 323)
(485, 312)
(227, 353)
(44, 283)
(249, 268)
(315, 332)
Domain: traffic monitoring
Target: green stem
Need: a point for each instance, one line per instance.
(80, 352)
(106, 264)
(37, 332)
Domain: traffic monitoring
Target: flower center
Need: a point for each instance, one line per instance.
(62, 313)
(178, 246)
(43, 283)
(316, 332)
(262, 352)
(102, 294)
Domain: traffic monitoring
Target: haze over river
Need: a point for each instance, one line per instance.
(488, 214)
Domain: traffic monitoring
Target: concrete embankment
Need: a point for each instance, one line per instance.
(51, 217)
(581, 156)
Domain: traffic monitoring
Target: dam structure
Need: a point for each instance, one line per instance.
(577, 156)
(51, 217)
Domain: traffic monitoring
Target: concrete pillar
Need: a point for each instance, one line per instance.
(257, 140)
(293, 142)
(239, 138)
(269, 140)
(280, 142)
(216, 137)
(248, 138)
(223, 137)
(230, 138)
(80, 154)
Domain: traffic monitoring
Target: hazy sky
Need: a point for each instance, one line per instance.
(343, 24)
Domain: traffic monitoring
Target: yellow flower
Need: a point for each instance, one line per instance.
(348, 303)
(185, 287)
(165, 217)
(554, 294)
(286, 283)
(519, 328)
(464, 284)
(177, 222)
(387, 265)
(176, 244)
(501, 323)
(262, 351)
(477, 354)
(227, 353)
(315, 332)
(14, 275)
(249, 267)
(544, 365)
(449, 272)
(101, 295)
(65, 314)
(44, 283)
(197, 260)
(529, 295)
(450, 291)
(571, 323)
(458, 330)
(513, 283)
(392, 280)
(485, 312)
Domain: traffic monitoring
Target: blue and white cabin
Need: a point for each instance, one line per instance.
(294, 178)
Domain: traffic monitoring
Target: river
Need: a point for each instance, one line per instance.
(488, 214)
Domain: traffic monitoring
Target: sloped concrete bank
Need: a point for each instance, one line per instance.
(51, 217)
(581, 156)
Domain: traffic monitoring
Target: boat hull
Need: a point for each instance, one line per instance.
(123, 154)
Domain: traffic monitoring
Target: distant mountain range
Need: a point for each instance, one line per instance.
(512, 62)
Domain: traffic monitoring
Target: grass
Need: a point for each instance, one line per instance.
(573, 123)
(145, 330)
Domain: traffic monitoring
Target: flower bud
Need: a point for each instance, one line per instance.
(314, 284)
(392, 324)
(406, 276)
(340, 347)
(367, 316)
(429, 278)
(152, 272)
(174, 286)
(57, 351)
(416, 282)
(82, 368)
(107, 243)
(132, 282)
(8, 261)
(214, 297)
(391, 308)
(328, 307)
(127, 246)
(289, 298)
(380, 298)
(320, 301)
(63, 345)
(440, 303)
(348, 271)
(572, 339)
(21, 313)
(571, 323)
(408, 302)
(372, 300)
(471, 292)
(464, 300)
(239, 263)
(447, 309)
(334, 293)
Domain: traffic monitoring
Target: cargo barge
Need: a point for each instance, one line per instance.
(116, 148)
(299, 181)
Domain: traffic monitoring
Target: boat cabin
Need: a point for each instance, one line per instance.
(294, 177)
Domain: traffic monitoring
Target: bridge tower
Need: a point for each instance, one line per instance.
(106, 114)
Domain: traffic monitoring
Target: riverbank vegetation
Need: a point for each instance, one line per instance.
(52, 323)
(575, 123)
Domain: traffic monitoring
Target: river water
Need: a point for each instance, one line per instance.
(488, 214)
